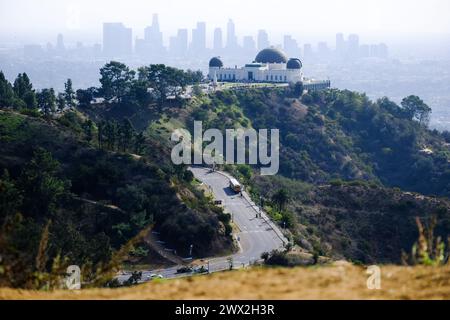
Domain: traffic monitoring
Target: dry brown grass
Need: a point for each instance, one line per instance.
(332, 282)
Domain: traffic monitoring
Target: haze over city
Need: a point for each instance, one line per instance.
(25, 19)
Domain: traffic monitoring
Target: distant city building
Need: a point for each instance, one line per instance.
(352, 49)
(307, 51)
(218, 40)
(340, 44)
(248, 44)
(231, 36)
(117, 40)
(60, 43)
(379, 51)
(152, 44)
(290, 46)
(153, 35)
(263, 40)
(353, 45)
(178, 44)
(198, 44)
(322, 50)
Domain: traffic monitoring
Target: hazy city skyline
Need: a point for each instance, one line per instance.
(24, 19)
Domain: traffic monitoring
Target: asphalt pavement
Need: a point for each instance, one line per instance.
(255, 235)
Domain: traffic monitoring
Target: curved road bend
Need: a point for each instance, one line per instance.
(255, 235)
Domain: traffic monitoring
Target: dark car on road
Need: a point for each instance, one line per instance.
(184, 269)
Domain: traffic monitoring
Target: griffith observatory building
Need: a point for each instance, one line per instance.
(270, 65)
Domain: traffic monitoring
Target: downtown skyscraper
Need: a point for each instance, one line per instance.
(117, 40)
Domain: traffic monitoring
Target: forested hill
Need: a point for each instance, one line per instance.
(85, 171)
(64, 200)
(336, 134)
(352, 170)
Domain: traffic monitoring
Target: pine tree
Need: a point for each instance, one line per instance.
(139, 141)
(23, 90)
(47, 101)
(6, 92)
(69, 94)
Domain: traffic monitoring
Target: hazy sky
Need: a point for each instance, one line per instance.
(39, 19)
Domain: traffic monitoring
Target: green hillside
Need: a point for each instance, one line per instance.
(82, 180)
(94, 201)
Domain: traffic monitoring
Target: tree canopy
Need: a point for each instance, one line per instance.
(415, 108)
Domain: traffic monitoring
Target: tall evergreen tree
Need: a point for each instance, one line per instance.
(101, 134)
(125, 133)
(61, 101)
(6, 92)
(88, 128)
(139, 141)
(47, 101)
(22, 85)
(281, 198)
(69, 94)
(23, 89)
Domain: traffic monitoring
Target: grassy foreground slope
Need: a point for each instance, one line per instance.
(332, 282)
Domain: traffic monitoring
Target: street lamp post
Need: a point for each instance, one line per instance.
(190, 250)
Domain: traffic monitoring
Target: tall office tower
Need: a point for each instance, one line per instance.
(249, 44)
(60, 43)
(290, 46)
(340, 44)
(182, 36)
(153, 35)
(307, 51)
(322, 50)
(263, 40)
(117, 39)
(379, 51)
(173, 46)
(231, 35)
(198, 44)
(141, 47)
(178, 44)
(353, 45)
(218, 40)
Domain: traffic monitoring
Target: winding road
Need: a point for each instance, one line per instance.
(255, 235)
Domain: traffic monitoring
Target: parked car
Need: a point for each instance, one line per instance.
(184, 269)
(201, 269)
(154, 276)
